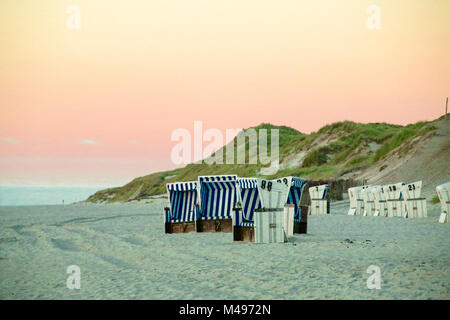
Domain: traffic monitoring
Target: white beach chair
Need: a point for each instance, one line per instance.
(380, 197)
(394, 201)
(257, 194)
(443, 192)
(319, 202)
(414, 205)
(369, 201)
(356, 202)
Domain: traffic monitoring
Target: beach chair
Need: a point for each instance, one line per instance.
(379, 195)
(443, 192)
(179, 216)
(217, 196)
(255, 194)
(356, 202)
(369, 201)
(394, 201)
(319, 202)
(295, 186)
(415, 206)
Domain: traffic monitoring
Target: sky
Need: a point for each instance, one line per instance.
(96, 105)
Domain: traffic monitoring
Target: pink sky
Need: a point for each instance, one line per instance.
(97, 106)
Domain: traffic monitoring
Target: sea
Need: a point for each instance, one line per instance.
(35, 195)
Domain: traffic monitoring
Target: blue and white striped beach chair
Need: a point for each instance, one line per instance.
(249, 200)
(217, 198)
(296, 187)
(179, 217)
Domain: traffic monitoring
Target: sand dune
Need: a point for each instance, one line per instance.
(123, 254)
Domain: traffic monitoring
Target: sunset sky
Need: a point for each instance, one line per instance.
(97, 105)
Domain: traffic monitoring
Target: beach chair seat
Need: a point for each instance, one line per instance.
(443, 192)
(319, 201)
(179, 216)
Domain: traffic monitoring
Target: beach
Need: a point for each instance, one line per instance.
(123, 253)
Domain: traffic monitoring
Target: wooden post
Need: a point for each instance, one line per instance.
(446, 107)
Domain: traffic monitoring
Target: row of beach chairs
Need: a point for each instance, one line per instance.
(227, 203)
(394, 200)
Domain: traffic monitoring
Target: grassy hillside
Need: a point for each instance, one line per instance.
(329, 153)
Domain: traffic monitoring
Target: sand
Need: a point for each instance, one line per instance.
(124, 254)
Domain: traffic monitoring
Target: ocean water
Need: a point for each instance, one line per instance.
(29, 196)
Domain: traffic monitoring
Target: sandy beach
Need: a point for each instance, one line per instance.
(123, 254)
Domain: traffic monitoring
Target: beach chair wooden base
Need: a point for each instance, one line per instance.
(369, 208)
(300, 227)
(304, 211)
(246, 234)
(359, 207)
(416, 208)
(443, 217)
(382, 209)
(219, 225)
(269, 225)
(180, 227)
(395, 208)
(320, 206)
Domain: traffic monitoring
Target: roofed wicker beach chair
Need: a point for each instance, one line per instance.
(379, 195)
(217, 198)
(255, 194)
(296, 186)
(415, 206)
(319, 202)
(179, 216)
(394, 201)
(369, 201)
(443, 192)
(356, 201)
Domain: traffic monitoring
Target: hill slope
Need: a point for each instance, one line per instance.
(376, 152)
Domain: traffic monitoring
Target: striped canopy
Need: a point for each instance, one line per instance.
(218, 196)
(296, 186)
(249, 197)
(182, 201)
